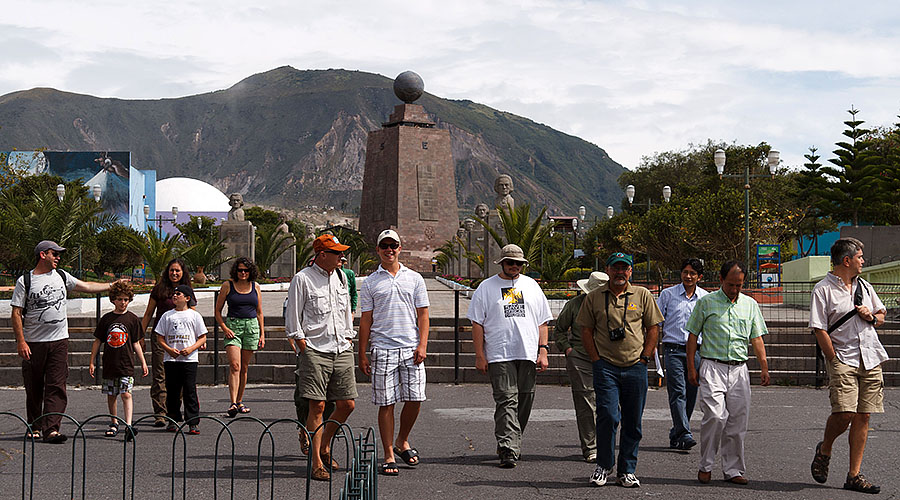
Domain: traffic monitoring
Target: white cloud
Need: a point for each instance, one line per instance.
(634, 77)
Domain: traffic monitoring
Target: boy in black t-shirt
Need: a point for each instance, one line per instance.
(120, 332)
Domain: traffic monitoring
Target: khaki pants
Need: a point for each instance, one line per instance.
(581, 376)
(725, 401)
(513, 388)
(158, 372)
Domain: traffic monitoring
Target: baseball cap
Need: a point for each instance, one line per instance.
(511, 252)
(328, 242)
(618, 257)
(388, 233)
(185, 290)
(47, 245)
(593, 282)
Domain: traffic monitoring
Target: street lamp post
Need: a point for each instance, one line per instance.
(159, 220)
(772, 161)
(469, 224)
(96, 192)
(630, 192)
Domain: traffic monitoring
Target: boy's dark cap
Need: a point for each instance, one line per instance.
(185, 290)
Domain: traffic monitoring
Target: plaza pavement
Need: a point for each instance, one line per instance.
(454, 435)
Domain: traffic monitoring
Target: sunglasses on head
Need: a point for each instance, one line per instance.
(392, 246)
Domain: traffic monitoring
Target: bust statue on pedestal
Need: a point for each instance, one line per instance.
(503, 186)
(236, 200)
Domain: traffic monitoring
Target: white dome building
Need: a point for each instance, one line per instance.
(189, 195)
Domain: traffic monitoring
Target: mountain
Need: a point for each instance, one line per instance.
(292, 138)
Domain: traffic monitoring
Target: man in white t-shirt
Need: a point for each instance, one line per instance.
(41, 328)
(509, 314)
(393, 337)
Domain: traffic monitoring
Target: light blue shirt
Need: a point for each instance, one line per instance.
(677, 308)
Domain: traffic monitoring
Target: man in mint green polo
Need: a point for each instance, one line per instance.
(729, 322)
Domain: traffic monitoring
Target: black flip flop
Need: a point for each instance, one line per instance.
(407, 456)
(389, 469)
(112, 431)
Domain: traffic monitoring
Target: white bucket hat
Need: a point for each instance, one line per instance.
(593, 282)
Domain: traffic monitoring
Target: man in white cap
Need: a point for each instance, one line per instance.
(579, 366)
(41, 328)
(393, 337)
(509, 314)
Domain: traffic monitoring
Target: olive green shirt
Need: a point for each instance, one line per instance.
(567, 333)
(640, 310)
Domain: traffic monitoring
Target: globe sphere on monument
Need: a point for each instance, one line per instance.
(408, 86)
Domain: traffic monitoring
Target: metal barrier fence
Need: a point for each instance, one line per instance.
(360, 480)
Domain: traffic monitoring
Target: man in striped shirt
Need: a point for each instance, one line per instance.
(393, 336)
(729, 321)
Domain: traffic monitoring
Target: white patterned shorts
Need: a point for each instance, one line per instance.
(116, 386)
(395, 376)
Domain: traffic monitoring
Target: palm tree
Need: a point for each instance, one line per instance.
(270, 244)
(32, 214)
(157, 250)
(519, 229)
(446, 253)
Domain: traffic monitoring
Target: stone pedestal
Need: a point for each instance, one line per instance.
(492, 251)
(285, 266)
(240, 241)
(409, 185)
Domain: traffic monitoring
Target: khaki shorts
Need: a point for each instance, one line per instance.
(246, 333)
(326, 376)
(855, 390)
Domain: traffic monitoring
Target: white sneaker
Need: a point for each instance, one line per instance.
(628, 480)
(600, 475)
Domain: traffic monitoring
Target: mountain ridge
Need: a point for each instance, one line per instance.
(291, 137)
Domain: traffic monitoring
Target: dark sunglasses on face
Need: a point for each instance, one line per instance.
(514, 263)
(334, 252)
(392, 246)
(243, 270)
(53, 253)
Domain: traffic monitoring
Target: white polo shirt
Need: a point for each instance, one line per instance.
(393, 301)
(856, 340)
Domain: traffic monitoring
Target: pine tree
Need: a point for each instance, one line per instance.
(855, 190)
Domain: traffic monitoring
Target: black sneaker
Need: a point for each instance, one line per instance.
(819, 466)
(860, 484)
(507, 458)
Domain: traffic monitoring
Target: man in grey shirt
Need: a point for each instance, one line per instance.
(41, 329)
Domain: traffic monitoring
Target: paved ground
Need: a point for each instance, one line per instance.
(454, 436)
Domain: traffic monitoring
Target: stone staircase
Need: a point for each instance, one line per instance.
(790, 351)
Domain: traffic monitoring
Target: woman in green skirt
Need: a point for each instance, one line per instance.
(243, 327)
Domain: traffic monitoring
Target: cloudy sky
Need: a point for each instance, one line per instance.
(634, 77)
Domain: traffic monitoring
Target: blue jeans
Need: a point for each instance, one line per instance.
(621, 394)
(682, 395)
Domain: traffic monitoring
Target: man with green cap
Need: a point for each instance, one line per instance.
(619, 329)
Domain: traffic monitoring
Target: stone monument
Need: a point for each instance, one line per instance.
(285, 266)
(503, 186)
(409, 182)
(238, 235)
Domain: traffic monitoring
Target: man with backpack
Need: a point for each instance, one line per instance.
(41, 329)
(843, 315)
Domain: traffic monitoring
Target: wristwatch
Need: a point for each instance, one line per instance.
(645, 359)
(545, 346)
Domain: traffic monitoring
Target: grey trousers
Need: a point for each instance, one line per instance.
(513, 387)
(581, 375)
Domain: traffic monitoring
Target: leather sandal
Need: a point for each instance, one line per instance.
(320, 474)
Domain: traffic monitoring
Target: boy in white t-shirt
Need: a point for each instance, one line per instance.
(182, 332)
